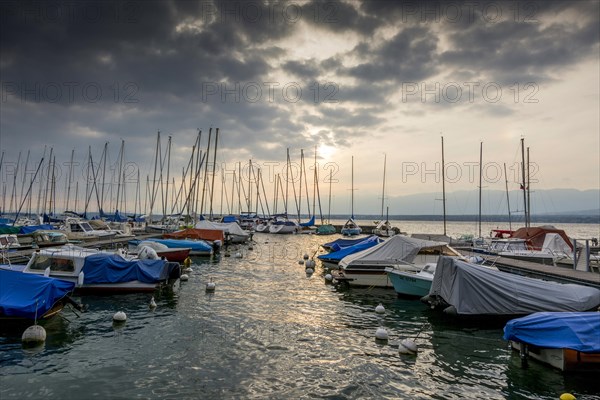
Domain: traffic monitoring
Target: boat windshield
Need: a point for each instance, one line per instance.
(41, 262)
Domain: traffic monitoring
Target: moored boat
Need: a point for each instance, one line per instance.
(569, 341)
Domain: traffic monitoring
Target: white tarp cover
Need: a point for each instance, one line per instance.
(396, 249)
(476, 290)
(555, 243)
(231, 228)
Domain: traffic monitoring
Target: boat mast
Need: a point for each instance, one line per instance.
(507, 198)
(120, 175)
(383, 189)
(352, 190)
(524, 185)
(212, 184)
(528, 192)
(480, 179)
(69, 180)
(443, 188)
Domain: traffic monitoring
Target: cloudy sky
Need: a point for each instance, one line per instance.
(359, 79)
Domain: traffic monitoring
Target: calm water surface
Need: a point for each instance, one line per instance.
(270, 331)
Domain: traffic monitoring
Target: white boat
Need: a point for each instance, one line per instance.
(351, 228)
(9, 242)
(95, 271)
(80, 229)
(402, 253)
(283, 226)
(231, 230)
(410, 283)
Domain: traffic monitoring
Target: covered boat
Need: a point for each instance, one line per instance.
(176, 255)
(232, 232)
(99, 272)
(368, 267)
(332, 259)
(565, 340)
(198, 247)
(25, 296)
(464, 289)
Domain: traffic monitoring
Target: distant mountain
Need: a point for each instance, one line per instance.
(543, 202)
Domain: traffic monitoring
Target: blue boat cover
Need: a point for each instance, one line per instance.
(309, 223)
(363, 244)
(578, 331)
(229, 218)
(112, 268)
(32, 228)
(20, 293)
(195, 245)
(339, 244)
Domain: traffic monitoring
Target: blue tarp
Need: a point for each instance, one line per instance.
(32, 228)
(195, 245)
(112, 268)
(578, 331)
(229, 218)
(363, 244)
(309, 223)
(339, 244)
(20, 292)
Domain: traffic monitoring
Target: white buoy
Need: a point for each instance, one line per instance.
(211, 286)
(152, 303)
(309, 271)
(407, 346)
(184, 277)
(381, 334)
(119, 316)
(305, 256)
(237, 254)
(380, 309)
(187, 270)
(328, 277)
(34, 335)
(80, 279)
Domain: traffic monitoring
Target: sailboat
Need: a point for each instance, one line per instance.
(351, 228)
(384, 227)
(326, 229)
(281, 223)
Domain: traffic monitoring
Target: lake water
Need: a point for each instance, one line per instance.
(271, 331)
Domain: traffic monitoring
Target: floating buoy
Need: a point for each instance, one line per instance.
(309, 271)
(187, 262)
(237, 254)
(187, 270)
(184, 277)
(567, 396)
(381, 334)
(310, 263)
(328, 277)
(119, 316)
(380, 309)
(34, 335)
(152, 303)
(211, 286)
(301, 262)
(407, 346)
(305, 256)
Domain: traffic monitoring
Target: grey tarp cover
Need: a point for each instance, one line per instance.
(396, 249)
(476, 290)
(231, 228)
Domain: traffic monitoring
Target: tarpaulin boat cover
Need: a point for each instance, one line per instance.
(21, 293)
(112, 268)
(339, 244)
(557, 330)
(396, 249)
(195, 245)
(336, 256)
(309, 223)
(476, 290)
(194, 233)
(32, 228)
(233, 228)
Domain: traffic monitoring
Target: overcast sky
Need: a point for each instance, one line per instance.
(355, 78)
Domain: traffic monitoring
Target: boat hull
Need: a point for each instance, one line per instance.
(409, 284)
(562, 359)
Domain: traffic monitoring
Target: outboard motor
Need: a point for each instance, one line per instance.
(216, 246)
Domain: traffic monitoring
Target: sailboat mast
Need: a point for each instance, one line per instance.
(524, 185)
(480, 179)
(443, 187)
(507, 198)
(528, 192)
(383, 190)
(212, 184)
